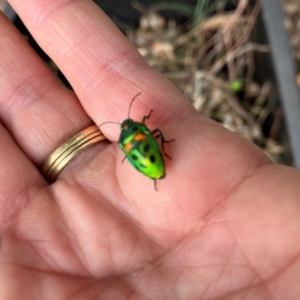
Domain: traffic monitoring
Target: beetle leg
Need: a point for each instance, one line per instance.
(124, 159)
(155, 185)
(158, 134)
(147, 117)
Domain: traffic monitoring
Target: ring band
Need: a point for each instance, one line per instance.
(58, 159)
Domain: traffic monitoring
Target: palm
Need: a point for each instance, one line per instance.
(223, 225)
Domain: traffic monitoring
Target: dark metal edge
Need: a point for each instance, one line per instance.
(10, 13)
(285, 70)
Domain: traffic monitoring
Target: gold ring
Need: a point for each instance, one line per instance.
(58, 159)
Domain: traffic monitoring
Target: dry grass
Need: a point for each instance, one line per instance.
(292, 24)
(211, 60)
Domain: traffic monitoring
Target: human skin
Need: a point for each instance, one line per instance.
(224, 223)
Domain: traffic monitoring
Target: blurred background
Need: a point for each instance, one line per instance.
(238, 61)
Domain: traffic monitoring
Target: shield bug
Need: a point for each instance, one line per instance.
(140, 146)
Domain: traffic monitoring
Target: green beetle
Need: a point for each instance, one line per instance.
(141, 148)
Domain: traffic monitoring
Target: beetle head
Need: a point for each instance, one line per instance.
(126, 123)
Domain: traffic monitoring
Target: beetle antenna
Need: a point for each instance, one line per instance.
(109, 122)
(131, 104)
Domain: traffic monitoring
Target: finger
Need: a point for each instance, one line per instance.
(35, 107)
(20, 181)
(101, 64)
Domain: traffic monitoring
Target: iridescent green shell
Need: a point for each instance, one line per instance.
(142, 149)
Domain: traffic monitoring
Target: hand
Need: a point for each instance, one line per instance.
(224, 223)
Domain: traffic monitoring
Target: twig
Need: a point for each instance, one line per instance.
(276, 124)
(227, 36)
(235, 16)
(240, 51)
(249, 25)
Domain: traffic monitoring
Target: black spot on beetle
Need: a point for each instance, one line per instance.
(134, 157)
(134, 128)
(147, 147)
(152, 158)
